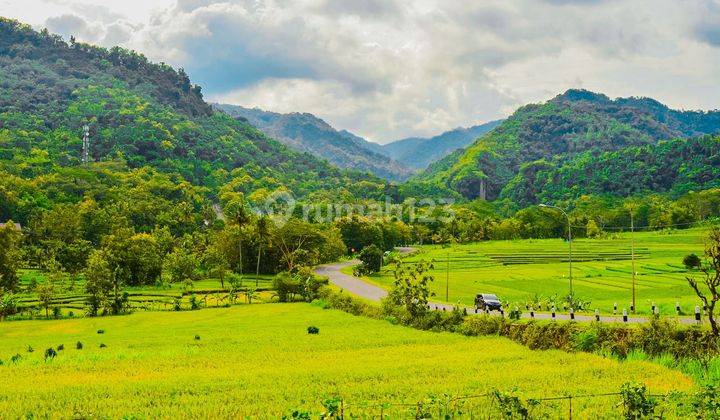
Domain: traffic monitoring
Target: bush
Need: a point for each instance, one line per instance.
(197, 337)
(482, 325)
(303, 283)
(101, 331)
(61, 347)
(706, 402)
(586, 340)
(692, 261)
(636, 401)
(50, 353)
(194, 302)
(512, 407)
(102, 345)
(56, 312)
(79, 345)
(313, 330)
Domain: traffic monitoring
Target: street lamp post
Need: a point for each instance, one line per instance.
(569, 241)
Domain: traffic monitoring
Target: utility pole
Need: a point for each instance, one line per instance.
(447, 279)
(86, 145)
(632, 256)
(569, 236)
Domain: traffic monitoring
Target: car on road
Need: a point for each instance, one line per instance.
(490, 302)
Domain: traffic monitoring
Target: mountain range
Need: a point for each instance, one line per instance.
(152, 132)
(308, 133)
(395, 161)
(419, 152)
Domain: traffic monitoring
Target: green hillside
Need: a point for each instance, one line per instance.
(578, 125)
(143, 117)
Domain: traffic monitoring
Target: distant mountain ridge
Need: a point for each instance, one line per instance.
(418, 152)
(521, 157)
(308, 133)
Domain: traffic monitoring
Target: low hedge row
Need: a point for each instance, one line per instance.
(659, 337)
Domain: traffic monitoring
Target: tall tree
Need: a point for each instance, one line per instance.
(262, 231)
(708, 287)
(236, 211)
(9, 255)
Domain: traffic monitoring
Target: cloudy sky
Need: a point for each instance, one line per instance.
(387, 69)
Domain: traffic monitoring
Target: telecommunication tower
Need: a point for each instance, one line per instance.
(86, 145)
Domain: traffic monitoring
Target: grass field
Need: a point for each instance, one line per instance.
(518, 271)
(258, 360)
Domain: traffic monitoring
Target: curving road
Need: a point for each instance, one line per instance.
(361, 288)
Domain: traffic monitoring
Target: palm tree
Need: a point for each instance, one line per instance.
(262, 229)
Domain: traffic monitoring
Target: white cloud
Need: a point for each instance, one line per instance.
(389, 68)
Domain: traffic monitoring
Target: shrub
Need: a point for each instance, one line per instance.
(177, 305)
(333, 408)
(553, 335)
(197, 337)
(512, 407)
(349, 304)
(692, 261)
(194, 302)
(30, 349)
(706, 402)
(50, 353)
(300, 283)
(481, 325)
(313, 330)
(586, 340)
(297, 415)
(16, 358)
(102, 345)
(56, 312)
(79, 345)
(515, 314)
(636, 401)
(61, 347)
(101, 331)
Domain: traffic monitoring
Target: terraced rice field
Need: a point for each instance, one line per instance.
(522, 271)
(259, 361)
(70, 297)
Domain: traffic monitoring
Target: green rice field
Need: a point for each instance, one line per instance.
(70, 296)
(532, 271)
(259, 361)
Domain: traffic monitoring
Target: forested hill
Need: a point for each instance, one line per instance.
(570, 131)
(419, 152)
(308, 133)
(144, 118)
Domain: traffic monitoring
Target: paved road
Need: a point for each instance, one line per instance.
(372, 292)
